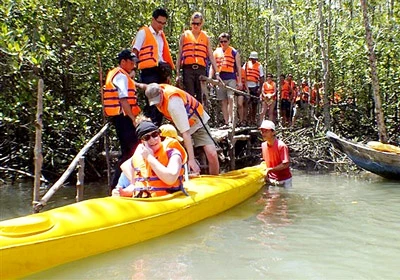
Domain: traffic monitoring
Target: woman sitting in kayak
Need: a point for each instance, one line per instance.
(156, 167)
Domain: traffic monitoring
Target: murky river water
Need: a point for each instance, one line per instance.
(325, 227)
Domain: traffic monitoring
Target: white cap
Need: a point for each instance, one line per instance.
(253, 55)
(266, 124)
(153, 93)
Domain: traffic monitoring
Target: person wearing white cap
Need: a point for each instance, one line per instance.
(276, 156)
(254, 78)
(190, 118)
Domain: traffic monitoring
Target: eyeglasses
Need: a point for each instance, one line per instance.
(161, 22)
(196, 23)
(263, 130)
(223, 41)
(154, 134)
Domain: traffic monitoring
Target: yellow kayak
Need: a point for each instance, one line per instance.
(39, 241)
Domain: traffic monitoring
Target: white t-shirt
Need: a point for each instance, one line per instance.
(140, 37)
(251, 83)
(177, 110)
(120, 81)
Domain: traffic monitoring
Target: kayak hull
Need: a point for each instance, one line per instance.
(41, 241)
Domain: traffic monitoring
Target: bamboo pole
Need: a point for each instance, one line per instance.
(9, 169)
(106, 139)
(205, 94)
(38, 143)
(80, 178)
(216, 82)
(38, 205)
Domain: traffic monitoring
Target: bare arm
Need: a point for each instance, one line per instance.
(187, 141)
(141, 85)
(211, 56)
(179, 56)
(279, 167)
(127, 109)
(238, 70)
(168, 174)
(211, 72)
(262, 80)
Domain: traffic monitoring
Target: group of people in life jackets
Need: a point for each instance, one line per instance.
(295, 101)
(149, 166)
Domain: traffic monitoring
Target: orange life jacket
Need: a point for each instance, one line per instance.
(148, 54)
(191, 104)
(268, 88)
(111, 104)
(243, 76)
(253, 71)
(144, 177)
(337, 98)
(305, 93)
(285, 90)
(194, 51)
(293, 86)
(313, 99)
(225, 60)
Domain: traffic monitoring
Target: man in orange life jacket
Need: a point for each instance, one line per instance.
(155, 61)
(301, 102)
(120, 103)
(229, 68)
(268, 99)
(286, 98)
(190, 119)
(194, 49)
(254, 79)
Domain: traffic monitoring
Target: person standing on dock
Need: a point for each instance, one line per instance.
(194, 49)
(155, 62)
(254, 79)
(229, 68)
(120, 103)
(276, 156)
(268, 99)
(190, 119)
(286, 103)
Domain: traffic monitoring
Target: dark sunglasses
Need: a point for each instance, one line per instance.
(223, 41)
(196, 23)
(154, 134)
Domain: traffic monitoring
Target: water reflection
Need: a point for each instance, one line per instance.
(275, 212)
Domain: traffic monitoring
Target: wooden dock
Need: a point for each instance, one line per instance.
(236, 148)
